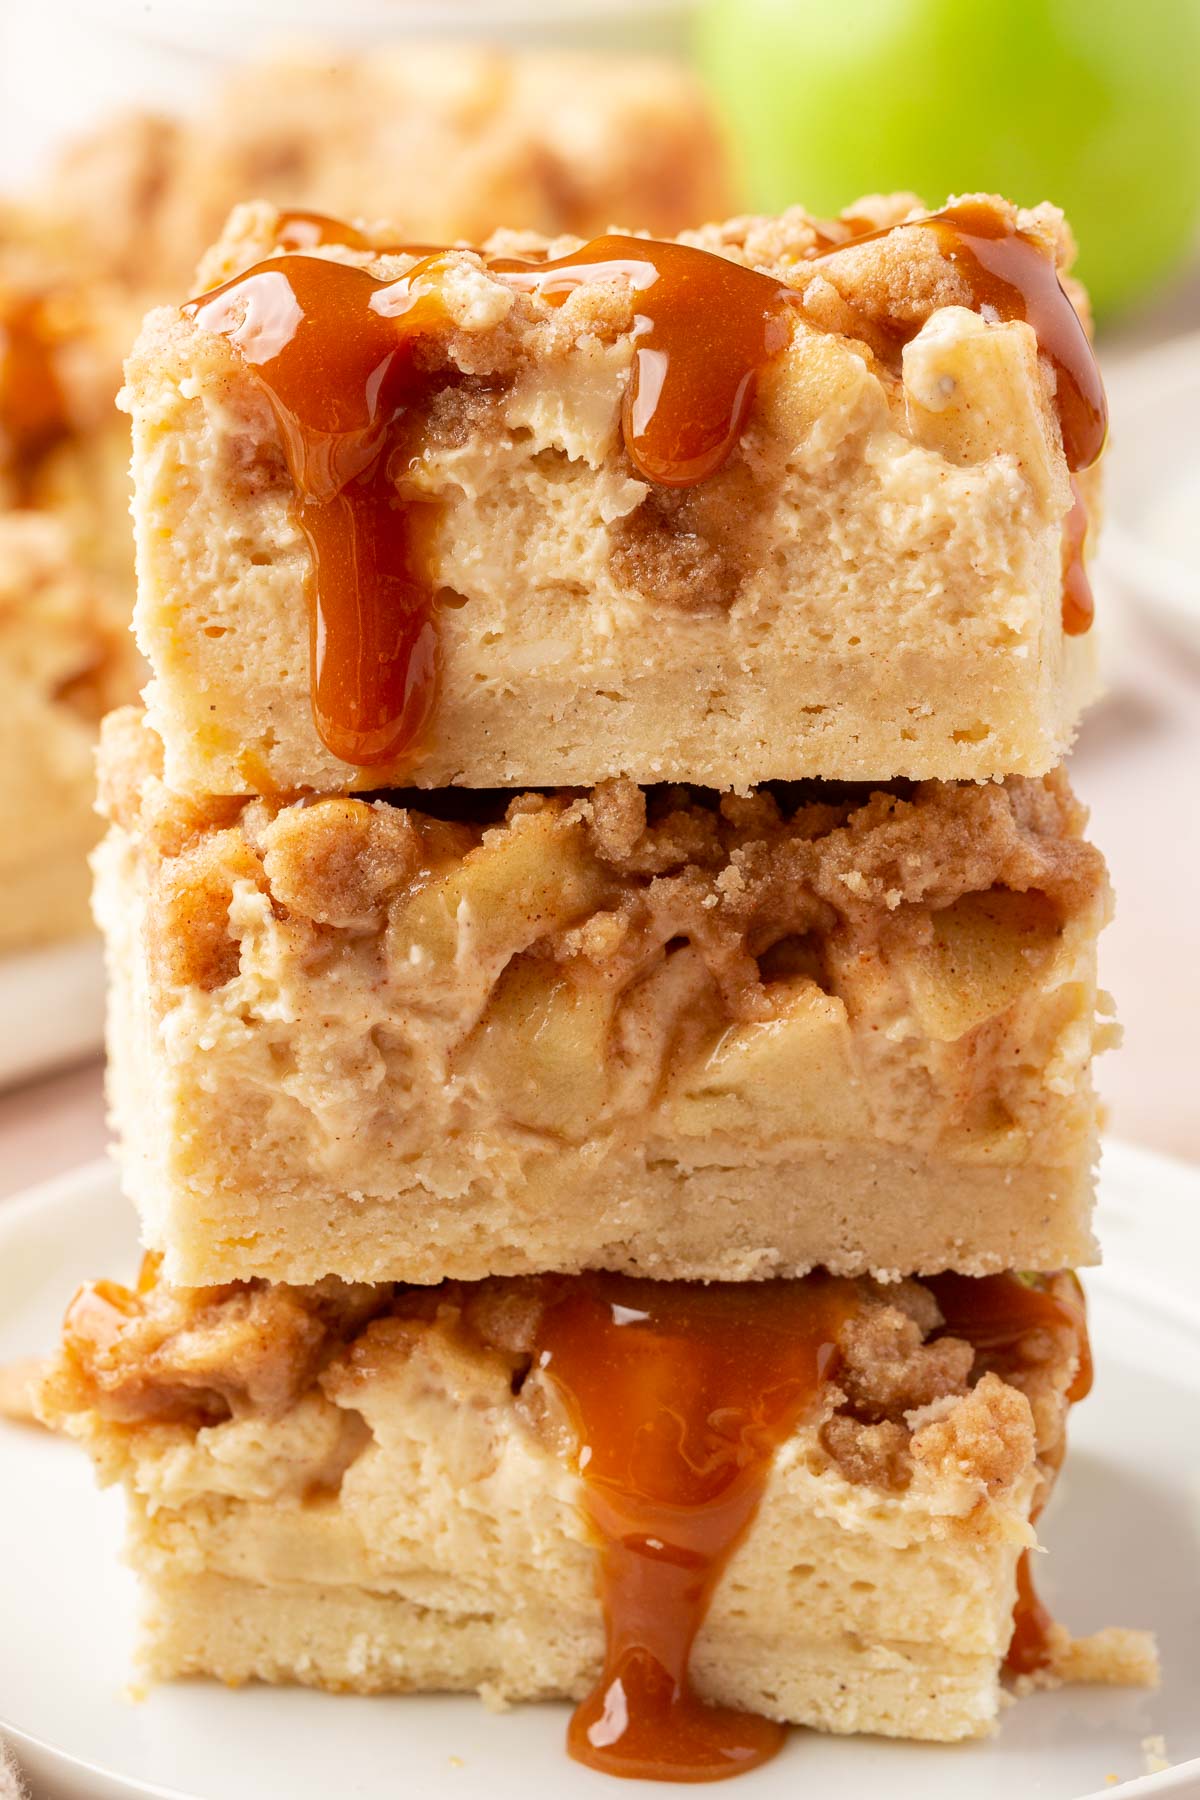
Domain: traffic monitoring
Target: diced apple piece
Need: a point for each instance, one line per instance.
(542, 1050)
(971, 391)
(791, 1076)
(985, 952)
(530, 877)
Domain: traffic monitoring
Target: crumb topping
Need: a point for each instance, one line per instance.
(761, 886)
(867, 290)
(203, 1354)
(757, 883)
(901, 1396)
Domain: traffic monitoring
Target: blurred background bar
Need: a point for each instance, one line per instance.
(169, 54)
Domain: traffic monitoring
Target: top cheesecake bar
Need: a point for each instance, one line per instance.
(776, 499)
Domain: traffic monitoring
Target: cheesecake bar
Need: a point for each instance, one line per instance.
(66, 657)
(456, 1488)
(671, 1031)
(781, 500)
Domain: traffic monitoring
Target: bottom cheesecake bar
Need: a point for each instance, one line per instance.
(806, 1500)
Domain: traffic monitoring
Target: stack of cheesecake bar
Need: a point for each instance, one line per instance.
(603, 973)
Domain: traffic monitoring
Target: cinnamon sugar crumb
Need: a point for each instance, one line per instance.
(339, 861)
(988, 1436)
(190, 941)
(200, 1355)
(887, 1368)
(870, 1455)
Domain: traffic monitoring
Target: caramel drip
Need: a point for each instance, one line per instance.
(839, 234)
(704, 328)
(1013, 275)
(301, 232)
(297, 230)
(680, 1394)
(1078, 601)
(994, 1313)
(33, 408)
(1029, 1648)
(334, 350)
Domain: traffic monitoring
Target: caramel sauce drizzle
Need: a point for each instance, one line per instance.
(680, 1394)
(301, 232)
(1013, 275)
(1029, 1648)
(994, 1312)
(336, 350)
(33, 407)
(298, 230)
(1079, 603)
(703, 329)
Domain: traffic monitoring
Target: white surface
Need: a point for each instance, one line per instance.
(1151, 540)
(51, 1007)
(1123, 1539)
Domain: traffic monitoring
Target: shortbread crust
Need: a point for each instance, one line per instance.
(670, 1033)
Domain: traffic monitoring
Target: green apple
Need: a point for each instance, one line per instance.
(1094, 104)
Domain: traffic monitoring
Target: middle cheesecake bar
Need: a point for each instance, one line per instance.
(668, 1031)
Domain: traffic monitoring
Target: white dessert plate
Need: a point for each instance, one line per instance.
(51, 1007)
(1123, 1540)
